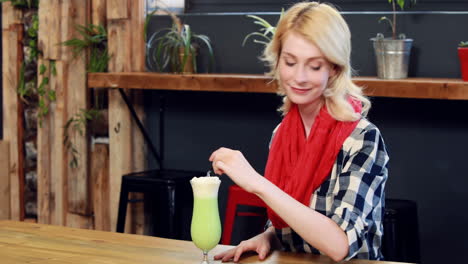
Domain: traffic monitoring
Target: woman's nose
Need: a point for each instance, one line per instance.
(300, 75)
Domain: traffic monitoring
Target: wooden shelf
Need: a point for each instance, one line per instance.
(425, 88)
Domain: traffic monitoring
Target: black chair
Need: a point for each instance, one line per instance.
(170, 194)
(401, 232)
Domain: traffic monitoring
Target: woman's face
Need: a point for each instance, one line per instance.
(303, 70)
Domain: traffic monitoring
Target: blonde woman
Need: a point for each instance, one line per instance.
(327, 167)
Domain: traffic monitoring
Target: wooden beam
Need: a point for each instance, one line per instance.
(44, 27)
(190, 82)
(118, 9)
(120, 131)
(139, 146)
(100, 190)
(137, 35)
(77, 178)
(424, 88)
(13, 115)
(98, 12)
(54, 29)
(4, 180)
(44, 162)
(58, 173)
(10, 16)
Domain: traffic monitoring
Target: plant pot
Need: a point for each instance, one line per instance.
(392, 57)
(463, 56)
(188, 67)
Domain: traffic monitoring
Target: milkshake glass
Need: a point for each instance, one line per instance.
(206, 225)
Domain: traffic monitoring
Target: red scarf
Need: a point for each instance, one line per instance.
(298, 165)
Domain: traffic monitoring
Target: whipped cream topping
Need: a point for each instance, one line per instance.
(205, 186)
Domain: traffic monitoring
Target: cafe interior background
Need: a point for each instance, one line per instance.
(426, 138)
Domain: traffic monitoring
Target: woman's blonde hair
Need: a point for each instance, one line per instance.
(322, 25)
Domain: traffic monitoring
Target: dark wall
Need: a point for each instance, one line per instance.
(426, 138)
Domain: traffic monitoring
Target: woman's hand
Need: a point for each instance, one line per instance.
(262, 244)
(234, 164)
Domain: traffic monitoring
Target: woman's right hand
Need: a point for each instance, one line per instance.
(261, 243)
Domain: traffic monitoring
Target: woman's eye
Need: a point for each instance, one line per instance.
(316, 68)
(290, 64)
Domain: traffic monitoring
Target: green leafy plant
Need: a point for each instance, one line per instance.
(463, 44)
(393, 22)
(45, 94)
(173, 47)
(94, 37)
(32, 34)
(77, 124)
(265, 33)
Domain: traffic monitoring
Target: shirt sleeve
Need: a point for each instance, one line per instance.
(359, 199)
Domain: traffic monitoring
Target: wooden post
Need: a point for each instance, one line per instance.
(12, 37)
(58, 172)
(100, 190)
(4, 180)
(119, 9)
(44, 28)
(54, 24)
(78, 186)
(44, 162)
(137, 22)
(79, 205)
(126, 46)
(98, 12)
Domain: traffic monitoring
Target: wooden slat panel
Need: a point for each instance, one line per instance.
(58, 175)
(120, 136)
(13, 117)
(120, 43)
(137, 23)
(4, 180)
(98, 12)
(55, 32)
(100, 191)
(68, 21)
(44, 139)
(77, 178)
(118, 9)
(79, 221)
(10, 15)
(428, 88)
(44, 33)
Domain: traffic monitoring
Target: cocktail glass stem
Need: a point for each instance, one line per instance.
(205, 257)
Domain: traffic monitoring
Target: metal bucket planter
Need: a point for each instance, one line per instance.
(392, 57)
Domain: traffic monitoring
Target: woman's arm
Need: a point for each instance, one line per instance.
(315, 228)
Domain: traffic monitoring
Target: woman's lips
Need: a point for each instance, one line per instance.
(300, 91)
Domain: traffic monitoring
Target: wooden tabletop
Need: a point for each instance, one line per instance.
(22, 242)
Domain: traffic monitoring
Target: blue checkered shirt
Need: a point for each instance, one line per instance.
(353, 196)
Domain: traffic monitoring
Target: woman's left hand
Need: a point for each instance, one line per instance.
(234, 164)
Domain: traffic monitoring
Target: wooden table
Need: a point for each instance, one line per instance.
(22, 242)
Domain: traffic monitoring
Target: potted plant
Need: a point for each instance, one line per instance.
(463, 56)
(392, 54)
(175, 48)
(265, 32)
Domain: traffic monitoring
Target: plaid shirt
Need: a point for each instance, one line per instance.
(353, 196)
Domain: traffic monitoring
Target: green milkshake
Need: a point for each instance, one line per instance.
(206, 225)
